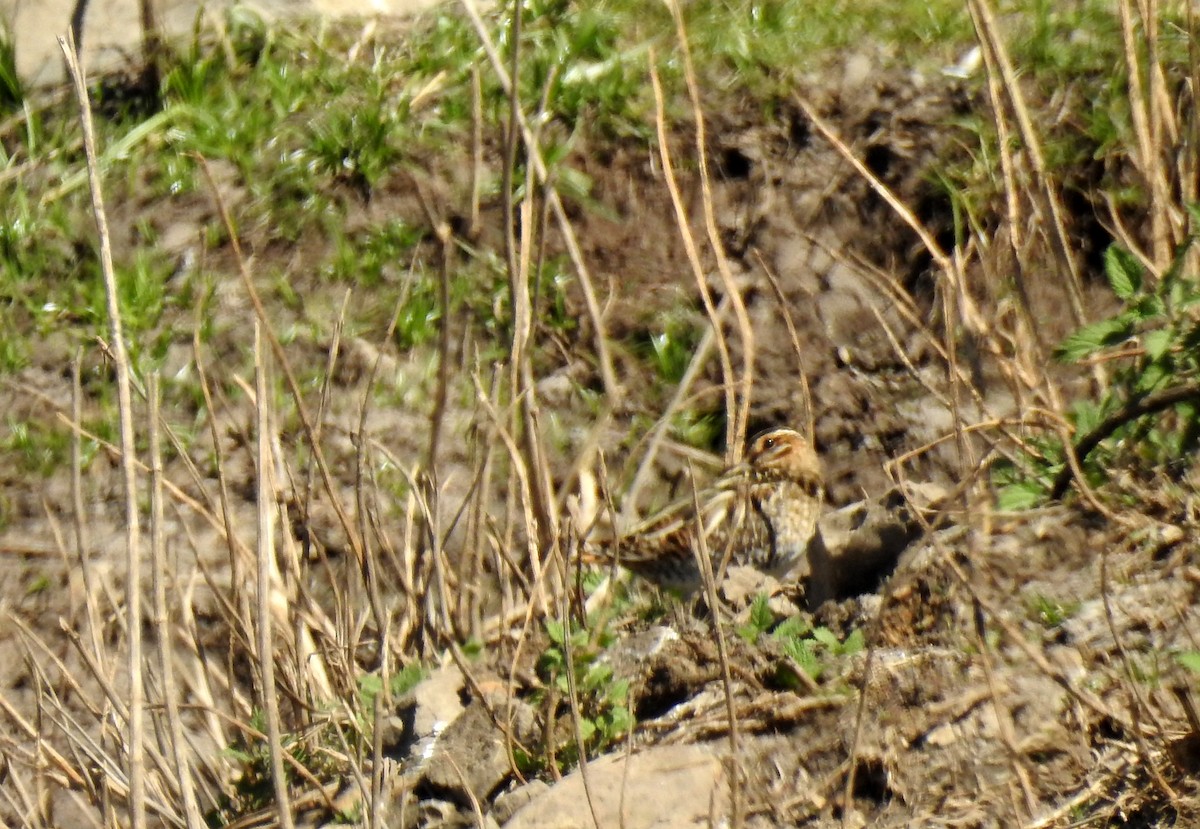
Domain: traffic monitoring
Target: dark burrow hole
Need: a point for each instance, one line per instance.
(871, 781)
(662, 692)
(735, 163)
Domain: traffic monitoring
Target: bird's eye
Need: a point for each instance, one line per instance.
(768, 443)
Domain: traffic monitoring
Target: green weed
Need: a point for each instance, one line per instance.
(605, 715)
(1149, 415)
(12, 90)
(1051, 613)
(40, 449)
(813, 650)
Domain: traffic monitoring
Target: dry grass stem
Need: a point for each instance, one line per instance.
(133, 593)
(536, 161)
(267, 575)
(162, 618)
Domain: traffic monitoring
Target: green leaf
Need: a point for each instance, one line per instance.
(760, 613)
(618, 692)
(1189, 660)
(1157, 342)
(596, 677)
(854, 643)
(827, 638)
(587, 728)
(790, 628)
(1148, 307)
(555, 630)
(1123, 270)
(1021, 496)
(1092, 338)
(622, 721)
(1152, 376)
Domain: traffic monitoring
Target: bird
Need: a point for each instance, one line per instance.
(760, 513)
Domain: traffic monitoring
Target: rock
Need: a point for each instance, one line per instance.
(631, 659)
(428, 709)
(507, 804)
(470, 758)
(667, 787)
(454, 747)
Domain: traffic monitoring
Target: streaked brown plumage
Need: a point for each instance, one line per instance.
(762, 513)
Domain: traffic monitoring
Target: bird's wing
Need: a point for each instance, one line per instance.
(721, 496)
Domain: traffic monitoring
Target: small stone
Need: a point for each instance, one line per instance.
(506, 805)
(666, 787)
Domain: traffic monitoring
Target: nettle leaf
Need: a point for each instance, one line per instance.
(587, 729)
(854, 643)
(1095, 337)
(1086, 416)
(1022, 495)
(1148, 307)
(1153, 375)
(1123, 270)
(1157, 343)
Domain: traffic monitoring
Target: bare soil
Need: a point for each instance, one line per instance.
(977, 711)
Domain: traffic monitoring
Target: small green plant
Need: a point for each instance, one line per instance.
(417, 321)
(355, 145)
(813, 650)
(403, 681)
(375, 257)
(1149, 415)
(1050, 613)
(318, 749)
(670, 350)
(605, 715)
(40, 449)
(699, 429)
(254, 789)
(12, 90)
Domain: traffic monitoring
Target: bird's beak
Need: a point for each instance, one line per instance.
(734, 471)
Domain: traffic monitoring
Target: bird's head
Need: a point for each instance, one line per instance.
(784, 453)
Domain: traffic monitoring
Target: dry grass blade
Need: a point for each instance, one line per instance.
(739, 414)
(80, 515)
(693, 255)
(990, 41)
(162, 619)
(133, 593)
(310, 429)
(266, 574)
(537, 162)
(704, 562)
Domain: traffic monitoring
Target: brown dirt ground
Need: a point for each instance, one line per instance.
(951, 734)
